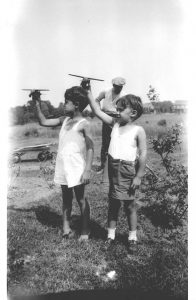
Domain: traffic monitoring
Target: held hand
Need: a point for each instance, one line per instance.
(35, 95)
(89, 93)
(85, 179)
(136, 182)
(86, 84)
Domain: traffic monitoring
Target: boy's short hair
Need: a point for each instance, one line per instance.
(132, 101)
(78, 96)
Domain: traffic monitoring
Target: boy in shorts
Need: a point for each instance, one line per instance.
(126, 162)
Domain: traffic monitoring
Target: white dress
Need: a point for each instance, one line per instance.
(71, 156)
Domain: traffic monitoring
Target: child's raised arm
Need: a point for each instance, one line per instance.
(43, 121)
(100, 97)
(97, 110)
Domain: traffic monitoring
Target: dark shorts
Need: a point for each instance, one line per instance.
(121, 174)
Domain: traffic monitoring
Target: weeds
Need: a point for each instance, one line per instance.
(47, 172)
(14, 171)
(32, 132)
(162, 122)
(168, 193)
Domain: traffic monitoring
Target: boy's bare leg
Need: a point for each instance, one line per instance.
(114, 206)
(131, 212)
(67, 195)
(105, 179)
(84, 208)
(130, 208)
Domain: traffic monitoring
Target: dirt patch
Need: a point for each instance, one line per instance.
(27, 185)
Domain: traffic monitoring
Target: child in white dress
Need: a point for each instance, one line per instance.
(126, 162)
(74, 157)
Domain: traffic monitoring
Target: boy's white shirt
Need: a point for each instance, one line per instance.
(123, 142)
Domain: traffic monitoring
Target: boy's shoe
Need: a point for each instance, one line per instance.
(109, 242)
(68, 235)
(132, 247)
(99, 170)
(83, 237)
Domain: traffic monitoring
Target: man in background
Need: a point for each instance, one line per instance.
(108, 105)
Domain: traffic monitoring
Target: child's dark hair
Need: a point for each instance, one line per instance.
(133, 101)
(78, 96)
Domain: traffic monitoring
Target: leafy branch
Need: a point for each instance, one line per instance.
(167, 192)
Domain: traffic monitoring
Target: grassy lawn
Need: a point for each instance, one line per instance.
(39, 262)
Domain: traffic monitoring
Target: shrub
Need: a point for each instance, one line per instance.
(162, 122)
(168, 193)
(31, 132)
(47, 172)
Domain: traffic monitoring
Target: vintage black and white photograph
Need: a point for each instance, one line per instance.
(97, 193)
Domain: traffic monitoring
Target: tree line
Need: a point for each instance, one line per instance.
(20, 115)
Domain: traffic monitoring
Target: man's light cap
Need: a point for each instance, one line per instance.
(118, 81)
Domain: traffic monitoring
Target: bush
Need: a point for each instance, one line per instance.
(32, 132)
(167, 193)
(162, 122)
(47, 171)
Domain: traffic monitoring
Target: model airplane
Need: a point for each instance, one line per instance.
(85, 83)
(35, 93)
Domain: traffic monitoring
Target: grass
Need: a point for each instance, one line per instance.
(148, 121)
(39, 262)
(18, 137)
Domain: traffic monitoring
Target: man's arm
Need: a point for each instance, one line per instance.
(89, 153)
(97, 110)
(142, 149)
(43, 121)
(100, 97)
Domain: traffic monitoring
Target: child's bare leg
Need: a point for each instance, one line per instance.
(114, 206)
(84, 208)
(67, 194)
(105, 179)
(131, 212)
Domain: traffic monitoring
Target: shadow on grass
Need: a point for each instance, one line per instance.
(47, 216)
(97, 231)
(160, 217)
(44, 214)
(128, 294)
(122, 238)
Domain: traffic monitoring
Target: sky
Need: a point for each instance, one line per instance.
(141, 40)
